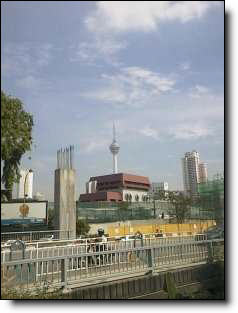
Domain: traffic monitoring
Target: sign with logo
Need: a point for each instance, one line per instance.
(23, 213)
(24, 210)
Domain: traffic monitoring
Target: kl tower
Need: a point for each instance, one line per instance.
(114, 148)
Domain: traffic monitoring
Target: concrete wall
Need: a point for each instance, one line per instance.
(65, 204)
(125, 289)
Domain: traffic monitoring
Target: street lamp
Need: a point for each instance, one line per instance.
(30, 171)
(25, 209)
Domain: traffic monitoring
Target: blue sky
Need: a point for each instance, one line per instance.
(155, 68)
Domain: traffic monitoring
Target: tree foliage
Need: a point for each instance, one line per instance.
(82, 227)
(50, 218)
(16, 138)
(160, 195)
(169, 286)
(182, 205)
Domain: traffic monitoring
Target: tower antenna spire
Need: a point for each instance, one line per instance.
(114, 132)
(114, 148)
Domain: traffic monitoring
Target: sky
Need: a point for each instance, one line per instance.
(155, 68)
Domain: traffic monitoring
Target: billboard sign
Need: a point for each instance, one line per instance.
(23, 213)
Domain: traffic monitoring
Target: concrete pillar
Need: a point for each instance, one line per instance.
(70, 157)
(64, 201)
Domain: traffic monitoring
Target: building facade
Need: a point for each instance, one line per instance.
(194, 172)
(203, 172)
(157, 187)
(28, 181)
(117, 187)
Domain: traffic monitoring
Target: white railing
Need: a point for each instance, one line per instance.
(80, 267)
(32, 236)
(70, 247)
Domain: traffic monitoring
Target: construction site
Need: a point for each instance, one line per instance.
(205, 211)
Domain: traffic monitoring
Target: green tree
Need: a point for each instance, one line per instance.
(169, 286)
(160, 195)
(16, 139)
(50, 218)
(181, 204)
(82, 227)
(123, 209)
(213, 288)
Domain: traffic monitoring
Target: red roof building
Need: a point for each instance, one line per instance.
(116, 187)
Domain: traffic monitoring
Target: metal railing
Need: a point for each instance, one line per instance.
(31, 236)
(63, 236)
(78, 268)
(70, 247)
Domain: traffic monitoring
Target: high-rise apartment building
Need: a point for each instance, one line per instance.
(28, 187)
(194, 172)
(202, 172)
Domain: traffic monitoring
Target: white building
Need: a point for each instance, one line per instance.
(28, 186)
(155, 188)
(91, 186)
(161, 186)
(194, 172)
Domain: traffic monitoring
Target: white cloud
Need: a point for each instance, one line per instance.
(185, 66)
(108, 94)
(173, 118)
(144, 16)
(133, 86)
(198, 91)
(93, 144)
(150, 132)
(98, 49)
(191, 131)
(139, 76)
(44, 55)
(111, 18)
(25, 58)
(33, 84)
(23, 62)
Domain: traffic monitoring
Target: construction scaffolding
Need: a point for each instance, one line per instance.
(102, 211)
(209, 205)
(211, 199)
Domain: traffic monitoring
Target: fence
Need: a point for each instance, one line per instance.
(119, 229)
(90, 266)
(35, 235)
(101, 211)
(71, 247)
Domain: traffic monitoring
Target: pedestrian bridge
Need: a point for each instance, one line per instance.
(93, 263)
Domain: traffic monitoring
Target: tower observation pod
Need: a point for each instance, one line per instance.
(114, 148)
